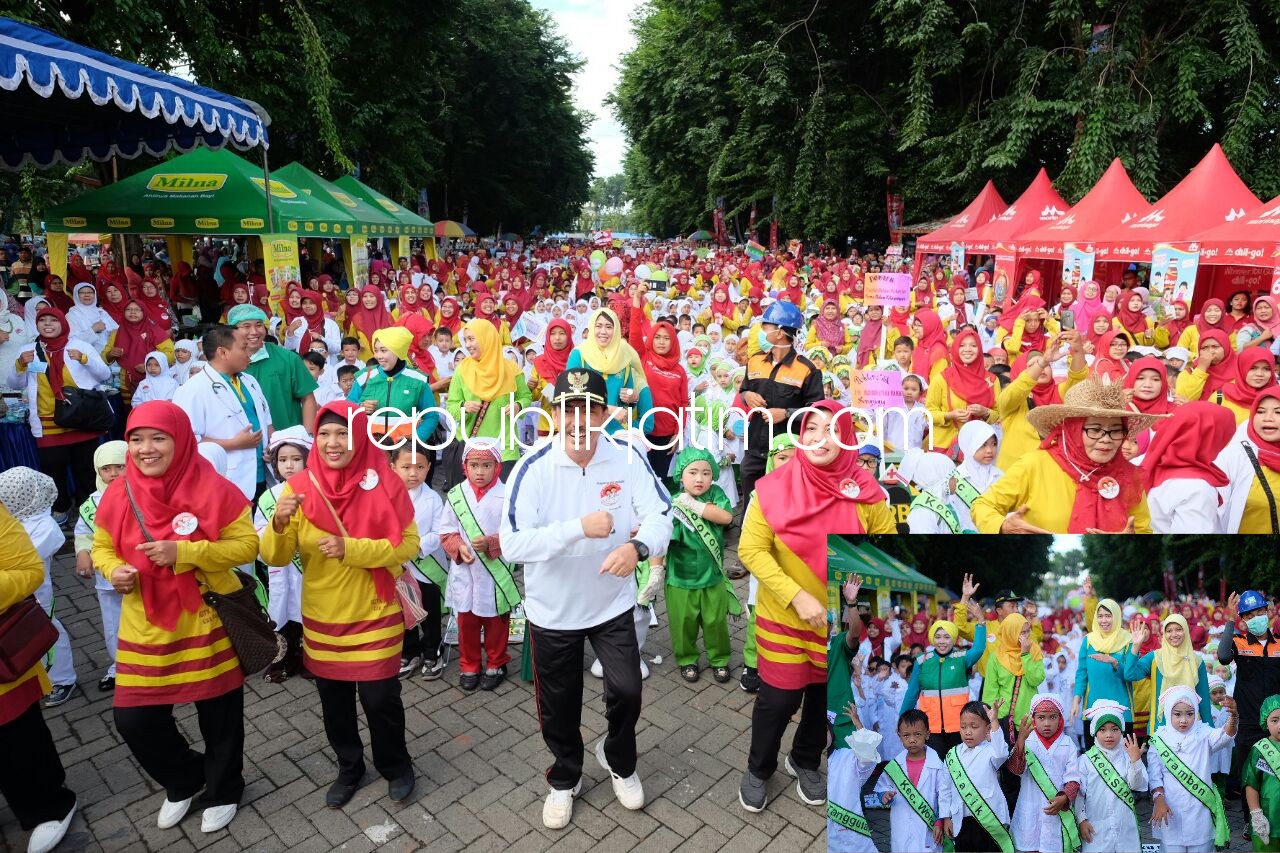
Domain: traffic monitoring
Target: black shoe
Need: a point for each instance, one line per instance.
(750, 679)
(400, 789)
(107, 684)
(408, 666)
(492, 678)
(689, 673)
(720, 674)
(59, 695)
(469, 680)
(340, 793)
(753, 792)
(431, 669)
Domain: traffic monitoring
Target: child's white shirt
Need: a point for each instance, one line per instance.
(906, 830)
(1220, 762)
(983, 763)
(471, 587)
(1114, 825)
(429, 511)
(1032, 828)
(845, 777)
(1190, 823)
(82, 531)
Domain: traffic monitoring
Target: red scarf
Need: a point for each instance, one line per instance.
(803, 502)
(721, 309)
(184, 488)
(1203, 325)
(1268, 454)
(1065, 444)
(877, 642)
(869, 341)
(1178, 326)
(315, 322)
(137, 340)
(1134, 322)
(55, 348)
(1237, 390)
(1106, 368)
(932, 347)
(114, 309)
(420, 356)
(291, 313)
(1186, 444)
(57, 298)
(382, 512)
(182, 284)
(1161, 405)
(970, 382)
(668, 381)
(552, 362)
(1222, 372)
(452, 323)
(1042, 393)
(156, 308)
(332, 299)
(481, 314)
(369, 320)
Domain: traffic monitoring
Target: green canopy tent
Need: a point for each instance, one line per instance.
(413, 224)
(880, 572)
(203, 192)
(377, 222)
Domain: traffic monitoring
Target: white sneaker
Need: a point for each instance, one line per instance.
(217, 817)
(171, 813)
(558, 807)
(629, 791)
(644, 670)
(46, 836)
(596, 669)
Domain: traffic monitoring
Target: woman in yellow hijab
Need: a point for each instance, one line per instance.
(1015, 670)
(605, 352)
(1100, 674)
(487, 389)
(1174, 663)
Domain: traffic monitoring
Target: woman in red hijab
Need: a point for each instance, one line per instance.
(419, 351)
(557, 343)
(669, 385)
(962, 391)
(1013, 309)
(1214, 367)
(1179, 322)
(408, 303)
(77, 271)
(794, 291)
(129, 345)
(721, 304)
(450, 316)
(1254, 374)
(1146, 387)
(930, 354)
(487, 309)
(874, 633)
(291, 305)
(821, 490)
(1132, 319)
(427, 301)
(196, 534)
(319, 328)
(329, 289)
(351, 521)
(368, 317)
(1108, 357)
(239, 294)
(108, 274)
(919, 633)
(1029, 327)
(1212, 316)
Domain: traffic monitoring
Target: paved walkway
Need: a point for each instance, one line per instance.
(479, 758)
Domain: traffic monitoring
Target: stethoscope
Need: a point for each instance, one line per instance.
(218, 386)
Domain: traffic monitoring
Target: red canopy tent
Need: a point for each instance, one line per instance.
(985, 207)
(1113, 201)
(1039, 205)
(1250, 241)
(1211, 194)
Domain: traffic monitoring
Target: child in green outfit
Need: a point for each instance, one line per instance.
(1262, 781)
(699, 594)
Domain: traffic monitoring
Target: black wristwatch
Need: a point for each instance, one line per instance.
(642, 550)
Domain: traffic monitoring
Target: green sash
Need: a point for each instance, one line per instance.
(1267, 749)
(432, 570)
(939, 509)
(916, 800)
(966, 492)
(1113, 780)
(1206, 793)
(504, 583)
(267, 505)
(708, 540)
(848, 819)
(1070, 832)
(977, 806)
(89, 513)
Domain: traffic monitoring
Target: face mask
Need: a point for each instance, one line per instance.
(763, 341)
(1257, 625)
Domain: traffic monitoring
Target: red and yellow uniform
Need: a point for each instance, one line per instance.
(21, 573)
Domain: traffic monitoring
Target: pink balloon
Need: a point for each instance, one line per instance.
(613, 266)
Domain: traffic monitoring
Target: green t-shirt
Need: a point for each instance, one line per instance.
(285, 380)
(1265, 783)
(839, 686)
(689, 565)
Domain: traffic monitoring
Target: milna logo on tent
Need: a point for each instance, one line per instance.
(278, 189)
(119, 222)
(74, 222)
(186, 182)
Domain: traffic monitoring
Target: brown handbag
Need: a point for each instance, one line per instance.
(26, 635)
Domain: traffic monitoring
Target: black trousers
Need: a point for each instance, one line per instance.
(31, 776)
(153, 737)
(942, 743)
(774, 708)
(75, 460)
(557, 685)
(384, 712)
(973, 838)
(425, 639)
(660, 460)
(753, 466)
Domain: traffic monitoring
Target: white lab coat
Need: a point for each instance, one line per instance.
(1032, 828)
(845, 777)
(1220, 762)
(215, 412)
(332, 340)
(1184, 505)
(429, 511)
(906, 830)
(1190, 823)
(284, 583)
(471, 587)
(983, 764)
(1114, 826)
(1239, 470)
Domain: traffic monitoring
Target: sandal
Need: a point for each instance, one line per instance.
(689, 673)
(721, 674)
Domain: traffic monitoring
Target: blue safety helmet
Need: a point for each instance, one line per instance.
(784, 315)
(1251, 599)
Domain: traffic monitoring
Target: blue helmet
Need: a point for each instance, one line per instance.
(784, 315)
(1251, 599)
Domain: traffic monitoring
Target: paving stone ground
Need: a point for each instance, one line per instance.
(479, 759)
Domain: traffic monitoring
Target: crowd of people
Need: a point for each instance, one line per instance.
(1018, 726)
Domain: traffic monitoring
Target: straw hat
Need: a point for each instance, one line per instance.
(1089, 398)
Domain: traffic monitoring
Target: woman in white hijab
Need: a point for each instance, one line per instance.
(931, 473)
(980, 443)
(88, 321)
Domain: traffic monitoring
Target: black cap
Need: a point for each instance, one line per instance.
(580, 383)
(1007, 595)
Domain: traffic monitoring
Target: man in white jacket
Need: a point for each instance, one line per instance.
(581, 511)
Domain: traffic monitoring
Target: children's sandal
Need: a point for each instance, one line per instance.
(689, 673)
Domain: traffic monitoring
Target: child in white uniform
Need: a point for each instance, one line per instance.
(1178, 759)
(158, 384)
(849, 766)
(288, 451)
(974, 767)
(1105, 811)
(918, 774)
(108, 463)
(430, 569)
(1042, 742)
(1220, 763)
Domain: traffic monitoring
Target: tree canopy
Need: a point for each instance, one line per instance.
(470, 99)
(1127, 566)
(996, 562)
(817, 103)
